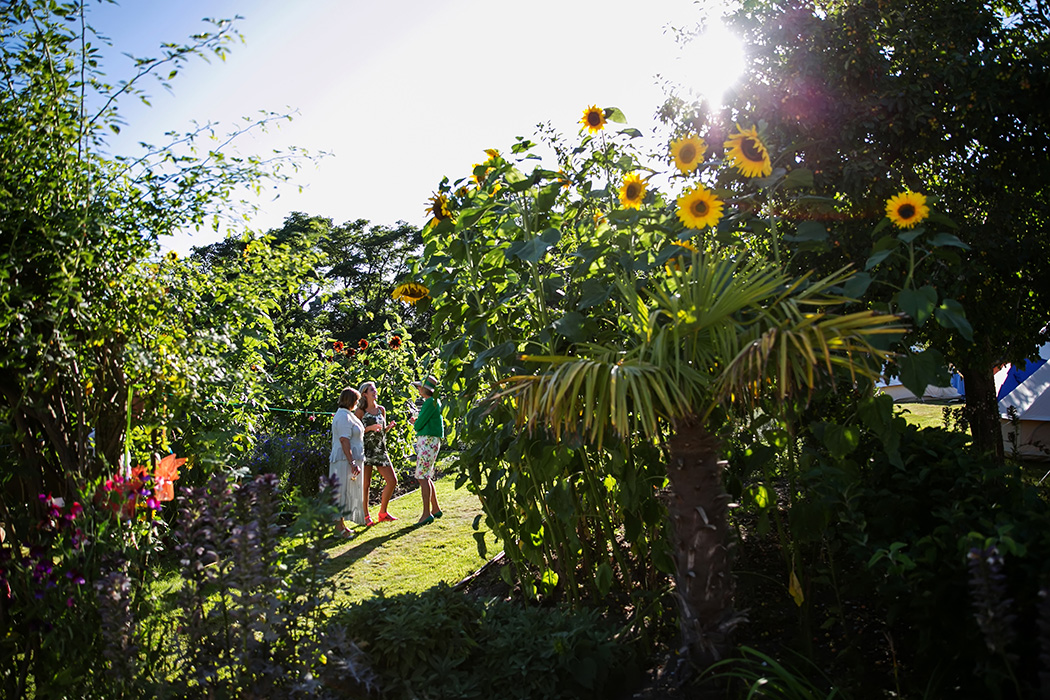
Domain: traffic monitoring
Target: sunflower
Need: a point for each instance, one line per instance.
(593, 119)
(687, 245)
(748, 153)
(394, 343)
(633, 191)
(437, 206)
(699, 207)
(337, 346)
(492, 153)
(410, 292)
(907, 209)
(362, 343)
(688, 152)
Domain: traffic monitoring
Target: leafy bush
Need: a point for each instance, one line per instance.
(907, 526)
(81, 615)
(298, 461)
(442, 644)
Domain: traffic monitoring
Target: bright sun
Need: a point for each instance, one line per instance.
(710, 63)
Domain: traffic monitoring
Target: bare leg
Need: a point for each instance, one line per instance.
(425, 489)
(388, 488)
(367, 476)
(434, 508)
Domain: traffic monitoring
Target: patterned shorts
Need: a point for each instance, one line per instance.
(427, 448)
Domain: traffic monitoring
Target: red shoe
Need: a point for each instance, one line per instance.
(386, 518)
(369, 522)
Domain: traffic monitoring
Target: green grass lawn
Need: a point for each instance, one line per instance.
(925, 415)
(402, 557)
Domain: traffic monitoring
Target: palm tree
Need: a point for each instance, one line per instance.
(716, 332)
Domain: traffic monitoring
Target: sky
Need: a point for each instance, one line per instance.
(399, 93)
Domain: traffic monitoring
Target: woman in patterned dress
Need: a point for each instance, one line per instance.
(373, 416)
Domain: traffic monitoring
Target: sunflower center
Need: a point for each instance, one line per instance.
(688, 153)
(634, 191)
(700, 208)
(594, 118)
(906, 211)
(751, 150)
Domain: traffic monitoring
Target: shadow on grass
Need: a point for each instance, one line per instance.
(349, 557)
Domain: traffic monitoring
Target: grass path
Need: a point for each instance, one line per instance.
(402, 557)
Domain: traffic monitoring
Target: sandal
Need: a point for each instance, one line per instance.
(386, 518)
(369, 522)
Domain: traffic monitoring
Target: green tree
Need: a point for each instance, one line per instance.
(940, 97)
(697, 341)
(80, 300)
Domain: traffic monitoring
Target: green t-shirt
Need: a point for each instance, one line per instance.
(429, 420)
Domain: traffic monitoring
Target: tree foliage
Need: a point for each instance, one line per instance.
(83, 307)
(944, 98)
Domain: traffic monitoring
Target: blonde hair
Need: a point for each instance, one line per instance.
(348, 397)
(362, 403)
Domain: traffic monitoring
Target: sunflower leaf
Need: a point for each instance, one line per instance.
(948, 239)
(877, 258)
(632, 132)
(918, 303)
(809, 231)
(909, 236)
(800, 177)
(614, 114)
(593, 293)
(950, 314)
(857, 285)
(570, 326)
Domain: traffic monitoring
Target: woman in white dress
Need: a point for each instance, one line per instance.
(346, 460)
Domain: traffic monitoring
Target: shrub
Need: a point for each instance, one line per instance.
(907, 526)
(442, 644)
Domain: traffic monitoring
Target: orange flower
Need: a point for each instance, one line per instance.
(338, 345)
(362, 343)
(165, 476)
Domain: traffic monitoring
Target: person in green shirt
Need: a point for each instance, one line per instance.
(430, 431)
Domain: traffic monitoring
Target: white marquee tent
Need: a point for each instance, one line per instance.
(1031, 425)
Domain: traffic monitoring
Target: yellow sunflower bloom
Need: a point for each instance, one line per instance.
(492, 153)
(907, 209)
(410, 292)
(687, 245)
(632, 192)
(437, 206)
(748, 153)
(699, 207)
(688, 152)
(478, 179)
(593, 119)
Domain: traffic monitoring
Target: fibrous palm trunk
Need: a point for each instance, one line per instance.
(698, 507)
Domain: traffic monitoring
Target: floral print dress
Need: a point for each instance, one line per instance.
(375, 440)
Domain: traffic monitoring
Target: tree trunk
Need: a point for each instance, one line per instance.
(982, 410)
(698, 507)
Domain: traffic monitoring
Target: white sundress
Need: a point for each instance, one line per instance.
(350, 493)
